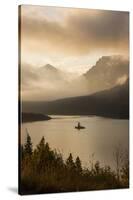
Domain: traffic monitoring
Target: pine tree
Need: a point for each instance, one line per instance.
(49, 155)
(28, 146)
(41, 146)
(40, 155)
(97, 167)
(78, 165)
(47, 149)
(69, 162)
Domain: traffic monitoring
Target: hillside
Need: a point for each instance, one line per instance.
(107, 73)
(32, 117)
(112, 103)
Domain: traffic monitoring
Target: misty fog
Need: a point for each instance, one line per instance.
(48, 82)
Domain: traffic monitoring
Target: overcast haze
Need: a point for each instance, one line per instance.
(72, 40)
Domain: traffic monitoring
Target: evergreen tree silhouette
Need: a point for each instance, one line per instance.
(28, 146)
(78, 165)
(41, 155)
(69, 162)
(41, 146)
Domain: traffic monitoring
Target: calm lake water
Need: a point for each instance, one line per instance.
(100, 137)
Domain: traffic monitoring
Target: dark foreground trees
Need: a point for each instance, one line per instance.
(44, 171)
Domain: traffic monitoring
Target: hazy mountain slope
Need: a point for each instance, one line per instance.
(48, 82)
(107, 72)
(50, 73)
(109, 103)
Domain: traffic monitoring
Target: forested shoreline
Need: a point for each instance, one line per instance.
(44, 170)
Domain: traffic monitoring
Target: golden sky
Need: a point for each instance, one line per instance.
(71, 39)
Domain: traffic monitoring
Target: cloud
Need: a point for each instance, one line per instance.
(77, 32)
(108, 72)
(69, 37)
(28, 76)
(121, 80)
(48, 83)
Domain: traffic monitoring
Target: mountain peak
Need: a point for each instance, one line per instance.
(50, 67)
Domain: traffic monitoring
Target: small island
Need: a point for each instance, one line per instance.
(32, 117)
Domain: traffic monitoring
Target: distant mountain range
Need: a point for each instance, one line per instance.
(113, 103)
(49, 83)
(103, 90)
(108, 72)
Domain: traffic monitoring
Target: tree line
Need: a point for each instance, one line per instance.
(43, 170)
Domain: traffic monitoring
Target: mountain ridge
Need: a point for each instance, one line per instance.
(113, 103)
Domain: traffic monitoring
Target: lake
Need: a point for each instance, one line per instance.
(96, 142)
